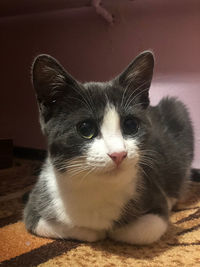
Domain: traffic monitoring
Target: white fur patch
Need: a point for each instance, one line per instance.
(58, 230)
(146, 230)
(44, 229)
(58, 207)
(111, 131)
(98, 200)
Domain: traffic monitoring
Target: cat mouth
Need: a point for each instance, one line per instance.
(110, 169)
(114, 171)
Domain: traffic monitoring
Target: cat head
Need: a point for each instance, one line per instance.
(93, 127)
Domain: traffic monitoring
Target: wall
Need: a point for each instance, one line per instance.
(91, 49)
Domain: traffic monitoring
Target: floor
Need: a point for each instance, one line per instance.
(180, 246)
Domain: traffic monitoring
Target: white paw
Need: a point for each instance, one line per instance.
(146, 230)
(61, 231)
(90, 235)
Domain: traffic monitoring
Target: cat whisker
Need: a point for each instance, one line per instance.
(67, 168)
(149, 151)
(90, 100)
(75, 174)
(83, 94)
(127, 103)
(130, 100)
(74, 170)
(71, 163)
(123, 96)
(85, 176)
(147, 159)
(146, 164)
(83, 102)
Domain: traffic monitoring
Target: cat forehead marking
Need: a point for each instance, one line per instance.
(111, 130)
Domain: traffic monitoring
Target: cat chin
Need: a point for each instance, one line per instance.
(112, 169)
(113, 172)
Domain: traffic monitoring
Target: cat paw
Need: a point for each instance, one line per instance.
(146, 230)
(89, 235)
(62, 231)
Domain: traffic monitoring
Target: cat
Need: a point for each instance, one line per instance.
(116, 166)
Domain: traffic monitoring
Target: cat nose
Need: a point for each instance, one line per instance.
(118, 157)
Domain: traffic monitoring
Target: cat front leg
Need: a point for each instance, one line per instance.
(145, 230)
(63, 231)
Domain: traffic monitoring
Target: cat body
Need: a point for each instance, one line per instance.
(115, 165)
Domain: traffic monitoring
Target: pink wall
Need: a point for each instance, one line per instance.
(90, 49)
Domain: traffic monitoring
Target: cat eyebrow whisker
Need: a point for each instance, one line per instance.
(83, 102)
(90, 100)
(130, 100)
(123, 96)
(84, 95)
(134, 91)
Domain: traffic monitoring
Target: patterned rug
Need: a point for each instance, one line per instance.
(180, 246)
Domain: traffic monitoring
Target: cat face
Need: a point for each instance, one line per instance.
(93, 127)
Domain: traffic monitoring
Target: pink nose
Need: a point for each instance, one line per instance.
(118, 157)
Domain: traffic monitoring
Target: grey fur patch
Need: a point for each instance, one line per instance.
(39, 204)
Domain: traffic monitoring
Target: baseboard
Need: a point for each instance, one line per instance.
(29, 153)
(195, 175)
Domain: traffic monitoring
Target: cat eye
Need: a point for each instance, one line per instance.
(130, 125)
(87, 129)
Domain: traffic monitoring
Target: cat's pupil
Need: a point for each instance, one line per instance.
(130, 126)
(87, 129)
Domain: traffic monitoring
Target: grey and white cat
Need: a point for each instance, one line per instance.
(115, 165)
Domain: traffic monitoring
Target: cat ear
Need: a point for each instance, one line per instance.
(50, 80)
(137, 77)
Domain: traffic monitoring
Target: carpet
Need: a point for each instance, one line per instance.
(180, 246)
